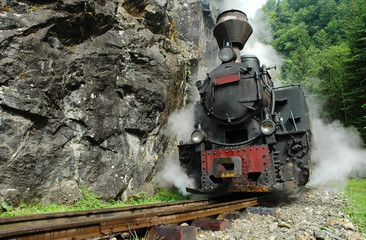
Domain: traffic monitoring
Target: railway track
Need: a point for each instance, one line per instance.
(95, 223)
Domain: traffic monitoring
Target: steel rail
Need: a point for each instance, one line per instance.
(95, 223)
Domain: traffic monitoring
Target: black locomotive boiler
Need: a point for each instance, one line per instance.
(249, 135)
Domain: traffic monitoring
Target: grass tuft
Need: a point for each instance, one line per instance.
(89, 201)
(356, 194)
(164, 195)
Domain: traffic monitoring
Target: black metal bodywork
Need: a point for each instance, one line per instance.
(255, 137)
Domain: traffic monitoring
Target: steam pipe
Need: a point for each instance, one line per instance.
(237, 52)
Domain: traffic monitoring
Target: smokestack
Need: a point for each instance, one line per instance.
(232, 27)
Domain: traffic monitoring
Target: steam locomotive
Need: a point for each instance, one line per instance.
(249, 135)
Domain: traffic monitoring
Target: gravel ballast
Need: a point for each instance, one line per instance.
(310, 213)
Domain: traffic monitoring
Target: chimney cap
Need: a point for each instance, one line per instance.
(230, 11)
(232, 26)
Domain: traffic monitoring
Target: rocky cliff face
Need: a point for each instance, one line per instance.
(86, 87)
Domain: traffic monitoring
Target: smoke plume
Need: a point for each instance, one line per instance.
(257, 46)
(250, 7)
(337, 153)
(180, 126)
(173, 175)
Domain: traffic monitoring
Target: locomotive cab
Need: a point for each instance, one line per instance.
(249, 136)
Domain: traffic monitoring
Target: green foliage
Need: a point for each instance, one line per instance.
(164, 195)
(356, 193)
(292, 37)
(324, 47)
(90, 201)
(6, 207)
(356, 69)
(34, 208)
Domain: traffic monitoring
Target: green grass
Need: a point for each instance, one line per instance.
(164, 195)
(356, 194)
(89, 201)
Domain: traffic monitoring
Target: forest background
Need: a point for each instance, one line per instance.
(323, 43)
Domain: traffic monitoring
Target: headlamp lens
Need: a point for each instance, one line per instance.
(198, 136)
(268, 127)
(227, 54)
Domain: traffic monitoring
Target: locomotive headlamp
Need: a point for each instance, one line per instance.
(198, 136)
(268, 127)
(227, 54)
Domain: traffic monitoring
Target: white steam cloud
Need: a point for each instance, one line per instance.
(181, 123)
(173, 175)
(337, 153)
(262, 32)
(266, 54)
(180, 126)
(248, 6)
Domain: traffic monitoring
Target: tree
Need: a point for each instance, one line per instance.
(290, 38)
(356, 69)
(324, 47)
(331, 64)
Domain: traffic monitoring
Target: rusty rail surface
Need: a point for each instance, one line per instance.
(94, 223)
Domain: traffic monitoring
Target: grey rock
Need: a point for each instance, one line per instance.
(356, 236)
(348, 226)
(335, 214)
(9, 197)
(85, 89)
(262, 210)
(319, 234)
(65, 192)
(284, 225)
